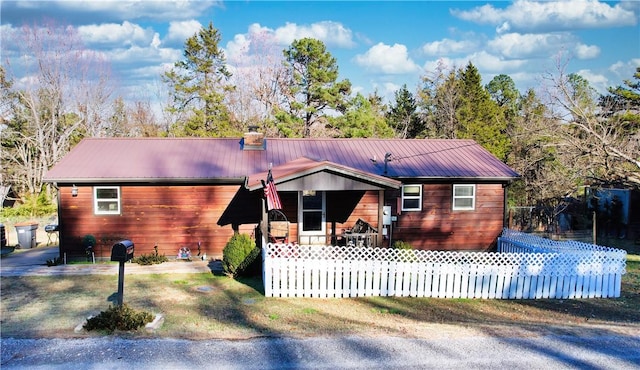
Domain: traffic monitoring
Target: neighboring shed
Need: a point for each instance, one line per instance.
(174, 192)
(8, 196)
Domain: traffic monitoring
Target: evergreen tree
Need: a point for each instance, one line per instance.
(403, 116)
(503, 91)
(624, 103)
(313, 83)
(198, 84)
(479, 117)
(363, 118)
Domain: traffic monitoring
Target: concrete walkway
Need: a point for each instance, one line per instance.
(23, 262)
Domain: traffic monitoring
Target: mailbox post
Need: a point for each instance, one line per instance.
(121, 252)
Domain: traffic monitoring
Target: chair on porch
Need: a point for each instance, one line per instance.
(278, 227)
(362, 234)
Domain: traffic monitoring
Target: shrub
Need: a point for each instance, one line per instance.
(88, 241)
(150, 259)
(118, 318)
(252, 265)
(399, 244)
(238, 248)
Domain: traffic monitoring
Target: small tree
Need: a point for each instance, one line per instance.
(234, 254)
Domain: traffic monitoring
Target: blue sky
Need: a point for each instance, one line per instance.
(379, 46)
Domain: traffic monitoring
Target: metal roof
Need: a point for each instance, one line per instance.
(304, 166)
(215, 160)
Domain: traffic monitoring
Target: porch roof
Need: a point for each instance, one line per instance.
(288, 172)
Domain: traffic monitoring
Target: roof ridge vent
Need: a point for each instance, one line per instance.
(253, 140)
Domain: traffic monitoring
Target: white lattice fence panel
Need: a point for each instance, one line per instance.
(328, 271)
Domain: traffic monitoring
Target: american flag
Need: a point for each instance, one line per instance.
(271, 193)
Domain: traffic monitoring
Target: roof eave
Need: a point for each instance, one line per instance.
(146, 180)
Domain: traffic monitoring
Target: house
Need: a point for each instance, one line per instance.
(196, 192)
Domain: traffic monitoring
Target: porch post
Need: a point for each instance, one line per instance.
(264, 224)
(379, 237)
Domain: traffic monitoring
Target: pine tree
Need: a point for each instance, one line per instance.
(198, 84)
(363, 118)
(403, 116)
(313, 82)
(479, 117)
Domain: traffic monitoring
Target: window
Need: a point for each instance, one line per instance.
(412, 197)
(464, 197)
(313, 212)
(106, 200)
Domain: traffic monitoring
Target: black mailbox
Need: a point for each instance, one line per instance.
(122, 251)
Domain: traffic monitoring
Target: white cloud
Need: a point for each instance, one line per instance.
(113, 34)
(387, 59)
(598, 81)
(515, 45)
(330, 33)
(237, 48)
(485, 62)
(545, 16)
(180, 31)
(491, 63)
(157, 10)
(448, 47)
(624, 70)
(583, 51)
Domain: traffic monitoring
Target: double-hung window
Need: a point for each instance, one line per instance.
(412, 197)
(106, 200)
(464, 197)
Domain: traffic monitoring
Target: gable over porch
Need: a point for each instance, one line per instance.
(320, 196)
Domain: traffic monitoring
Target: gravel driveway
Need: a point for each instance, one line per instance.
(477, 352)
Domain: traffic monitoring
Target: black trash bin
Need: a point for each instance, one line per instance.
(26, 235)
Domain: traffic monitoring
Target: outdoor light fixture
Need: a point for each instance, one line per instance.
(74, 191)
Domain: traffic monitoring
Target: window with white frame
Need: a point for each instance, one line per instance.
(106, 200)
(412, 197)
(464, 197)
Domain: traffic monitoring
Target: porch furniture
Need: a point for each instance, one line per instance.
(362, 234)
(278, 227)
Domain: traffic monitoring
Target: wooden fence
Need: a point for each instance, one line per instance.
(523, 268)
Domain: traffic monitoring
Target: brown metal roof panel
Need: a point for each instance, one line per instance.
(191, 158)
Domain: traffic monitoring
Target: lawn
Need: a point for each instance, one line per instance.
(204, 306)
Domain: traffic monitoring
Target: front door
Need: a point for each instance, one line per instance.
(312, 216)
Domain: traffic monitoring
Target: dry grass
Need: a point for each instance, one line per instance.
(202, 306)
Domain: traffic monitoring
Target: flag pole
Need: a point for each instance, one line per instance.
(264, 224)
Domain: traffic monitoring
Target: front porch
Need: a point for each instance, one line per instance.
(322, 204)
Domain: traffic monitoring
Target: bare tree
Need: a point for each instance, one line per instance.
(439, 99)
(62, 97)
(600, 146)
(259, 82)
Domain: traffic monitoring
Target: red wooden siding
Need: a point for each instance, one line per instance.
(175, 216)
(167, 216)
(439, 227)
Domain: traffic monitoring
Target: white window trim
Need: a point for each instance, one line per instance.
(323, 224)
(419, 197)
(96, 200)
(472, 197)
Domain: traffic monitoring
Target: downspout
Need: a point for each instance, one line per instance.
(505, 207)
(60, 223)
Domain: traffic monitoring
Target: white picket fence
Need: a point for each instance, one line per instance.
(526, 267)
